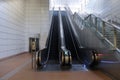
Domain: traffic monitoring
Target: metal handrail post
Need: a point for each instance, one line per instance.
(103, 29)
(96, 22)
(115, 38)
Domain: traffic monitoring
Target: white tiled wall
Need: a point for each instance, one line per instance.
(105, 8)
(37, 20)
(12, 27)
(19, 20)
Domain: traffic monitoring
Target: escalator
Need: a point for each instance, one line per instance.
(53, 49)
(69, 39)
(62, 46)
(109, 58)
(50, 54)
(86, 56)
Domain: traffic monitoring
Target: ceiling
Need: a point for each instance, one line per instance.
(73, 4)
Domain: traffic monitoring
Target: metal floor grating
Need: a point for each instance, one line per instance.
(56, 67)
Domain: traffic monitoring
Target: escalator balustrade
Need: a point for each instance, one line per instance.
(65, 54)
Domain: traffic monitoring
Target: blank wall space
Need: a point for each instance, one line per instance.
(106, 9)
(12, 27)
(19, 20)
(37, 20)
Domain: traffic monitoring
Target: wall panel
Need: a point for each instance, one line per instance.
(12, 27)
(106, 9)
(37, 20)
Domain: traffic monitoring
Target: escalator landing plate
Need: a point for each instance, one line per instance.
(56, 67)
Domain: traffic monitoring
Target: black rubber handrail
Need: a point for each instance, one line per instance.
(74, 40)
(42, 56)
(49, 41)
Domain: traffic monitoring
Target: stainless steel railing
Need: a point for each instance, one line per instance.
(109, 32)
(89, 56)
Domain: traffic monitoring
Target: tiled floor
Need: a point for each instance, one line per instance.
(27, 73)
(12, 63)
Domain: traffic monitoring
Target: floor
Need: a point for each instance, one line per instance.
(110, 65)
(19, 67)
(12, 63)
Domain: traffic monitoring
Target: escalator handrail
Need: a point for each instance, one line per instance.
(48, 43)
(50, 29)
(73, 37)
(62, 38)
(76, 35)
